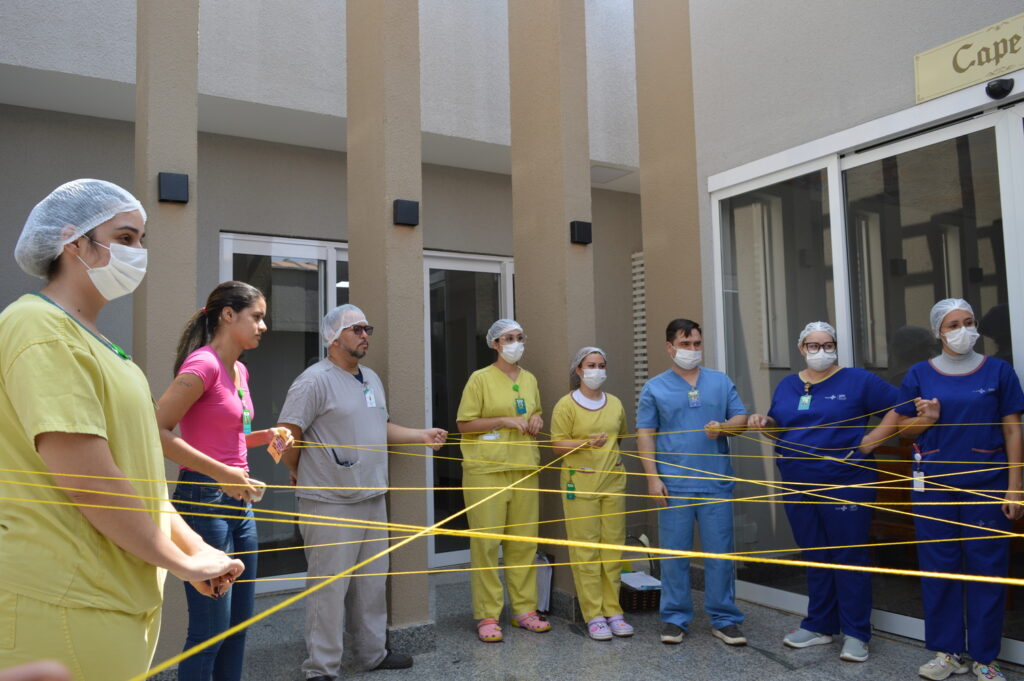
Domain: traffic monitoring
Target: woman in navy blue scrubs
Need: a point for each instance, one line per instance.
(812, 457)
(955, 468)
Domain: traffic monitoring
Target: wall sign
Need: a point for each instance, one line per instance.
(972, 59)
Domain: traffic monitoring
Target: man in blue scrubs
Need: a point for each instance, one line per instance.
(682, 418)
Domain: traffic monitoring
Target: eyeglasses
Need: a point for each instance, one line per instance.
(510, 338)
(360, 330)
(814, 347)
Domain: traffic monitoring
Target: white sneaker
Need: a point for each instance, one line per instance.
(801, 638)
(854, 650)
(988, 672)
(942, 666)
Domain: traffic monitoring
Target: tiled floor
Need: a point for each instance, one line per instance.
(276, 649)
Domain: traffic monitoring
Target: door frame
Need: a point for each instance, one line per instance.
(836, 154)
(439, 260)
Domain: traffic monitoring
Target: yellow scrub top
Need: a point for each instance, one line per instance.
(56, 376)
(572, 421)
(490, 393)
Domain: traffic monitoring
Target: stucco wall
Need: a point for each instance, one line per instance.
(770, 76)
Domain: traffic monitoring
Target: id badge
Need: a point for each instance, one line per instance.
(918, 481)
(694, 398)
(805, 403)
(371, 401)
(520, 406)
(246, 421)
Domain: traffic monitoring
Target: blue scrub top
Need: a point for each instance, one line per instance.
(983, 396)
(665, 406)
(847, 394)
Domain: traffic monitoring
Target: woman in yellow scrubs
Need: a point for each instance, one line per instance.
(86, 533)
(499, 416)
(591, 422)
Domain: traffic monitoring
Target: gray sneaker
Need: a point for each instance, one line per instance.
(854, 650)
(670, 633)
(731, 634)
(942, 666)
(801, 638)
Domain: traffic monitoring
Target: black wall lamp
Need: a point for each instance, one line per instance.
(172, 187)
(580, 232)
(407, 212)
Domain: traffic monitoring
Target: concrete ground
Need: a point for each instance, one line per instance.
(276, 650)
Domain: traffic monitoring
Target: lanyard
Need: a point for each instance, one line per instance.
(246, 414)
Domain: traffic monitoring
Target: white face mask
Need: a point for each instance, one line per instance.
(687, 359)
(593, 378)
(512, 352)
(962, 340)
(822, 359)
(122, 274)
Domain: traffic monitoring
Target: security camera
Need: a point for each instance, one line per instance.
(997, 89)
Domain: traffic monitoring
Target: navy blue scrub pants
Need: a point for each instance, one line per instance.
(838, 600)
(946, 629)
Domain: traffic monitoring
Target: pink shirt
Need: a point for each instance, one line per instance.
(213, 424)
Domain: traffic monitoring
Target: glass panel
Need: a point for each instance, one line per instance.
(292, 287)
(463, 305)
(341, 287)
(923, 225)
(777, 268)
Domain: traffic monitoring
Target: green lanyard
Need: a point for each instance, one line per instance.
(520, 402)
(114, 347)
(246, 414)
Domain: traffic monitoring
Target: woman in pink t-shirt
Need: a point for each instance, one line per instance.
(209, 399)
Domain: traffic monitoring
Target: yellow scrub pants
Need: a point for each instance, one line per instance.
(96, 645)
(516, 508)
(597, 583)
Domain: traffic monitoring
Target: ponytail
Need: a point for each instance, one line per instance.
(202, 326)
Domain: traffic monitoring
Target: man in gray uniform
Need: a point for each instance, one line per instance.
(341, 403)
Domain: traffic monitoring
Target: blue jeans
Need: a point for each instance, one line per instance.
(208, 616)
(713, 515)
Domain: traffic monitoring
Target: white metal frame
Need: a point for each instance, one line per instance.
(836, 153)
(437, 260)
(333, 252)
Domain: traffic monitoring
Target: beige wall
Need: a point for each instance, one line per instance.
(266, 188)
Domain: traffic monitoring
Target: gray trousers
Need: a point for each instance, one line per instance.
(357, 605)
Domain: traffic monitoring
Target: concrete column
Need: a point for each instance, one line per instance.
(166, 119)
(668, 174)
(550, 188)
(386, 261)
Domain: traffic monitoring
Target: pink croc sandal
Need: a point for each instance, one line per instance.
(488, 630)
(531, 621)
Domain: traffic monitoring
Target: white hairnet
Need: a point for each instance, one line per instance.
(501, 327)
(339, 319)
(943, 308)
(69, 211)
(816, 326)
(574, 378)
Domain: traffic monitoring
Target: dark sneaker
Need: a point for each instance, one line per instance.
(731, 634)
(395, 660)
(671, 633)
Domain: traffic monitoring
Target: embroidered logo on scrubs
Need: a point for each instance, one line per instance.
(836, 397)
(847, 507)
(984, 391)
